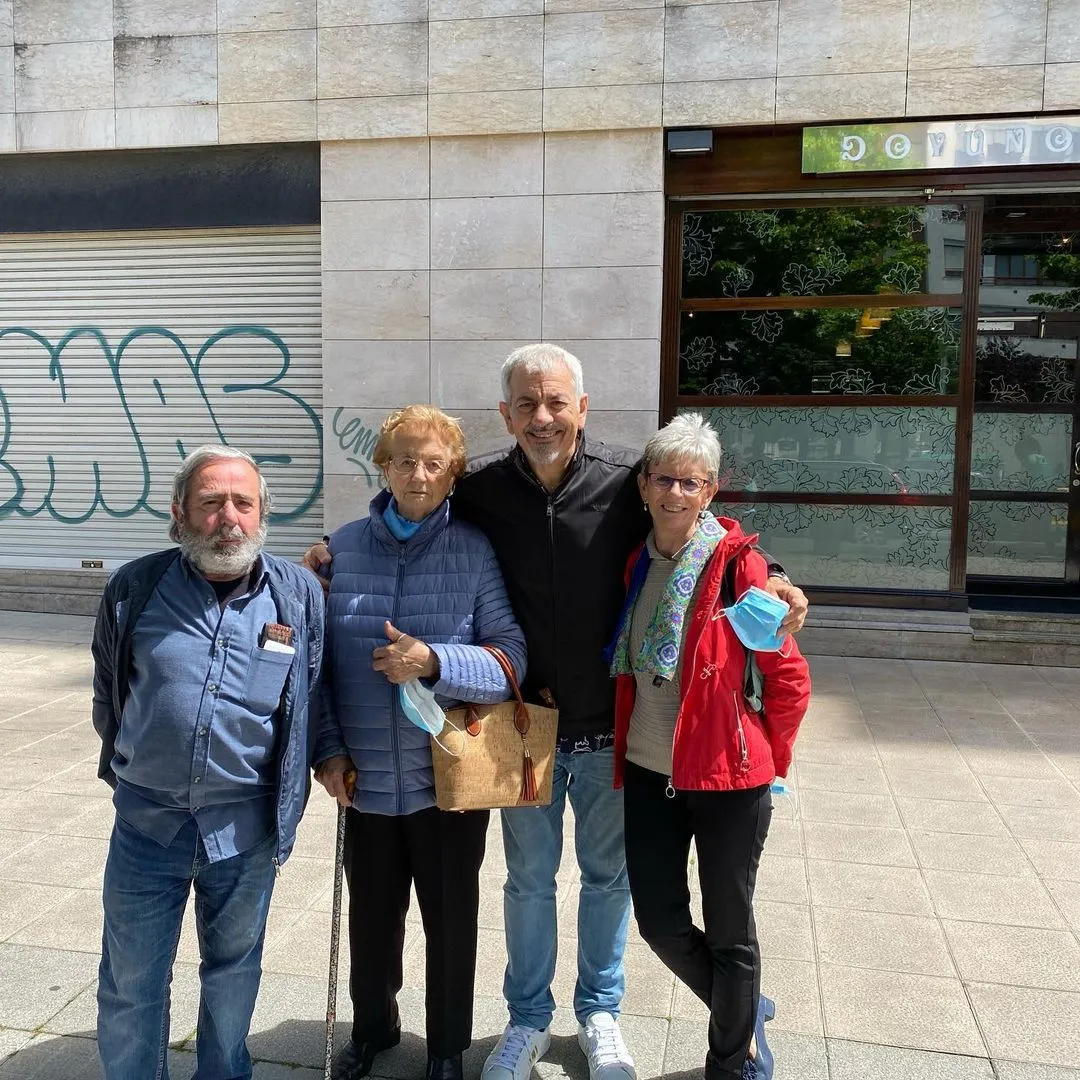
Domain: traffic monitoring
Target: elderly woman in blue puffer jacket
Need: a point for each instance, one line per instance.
(413, 594)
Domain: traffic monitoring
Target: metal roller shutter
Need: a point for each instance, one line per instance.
(118, 351)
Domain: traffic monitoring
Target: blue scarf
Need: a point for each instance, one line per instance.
(659, 655)
(400, 528)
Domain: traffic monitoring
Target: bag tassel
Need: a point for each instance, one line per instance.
(528, 775)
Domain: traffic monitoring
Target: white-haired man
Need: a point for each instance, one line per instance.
(206, 661)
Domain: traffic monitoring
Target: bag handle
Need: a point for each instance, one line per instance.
(521, 714)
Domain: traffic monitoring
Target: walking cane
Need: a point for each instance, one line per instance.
(335, 925)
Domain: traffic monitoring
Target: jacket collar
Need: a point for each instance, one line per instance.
(431, 526)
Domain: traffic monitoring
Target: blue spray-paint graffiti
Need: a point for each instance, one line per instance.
(47, 466)
(358, 442)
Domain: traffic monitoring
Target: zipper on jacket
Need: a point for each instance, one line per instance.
(277, 866)
(744, 752)
(394, 738)
(669, 791)
(551, 561)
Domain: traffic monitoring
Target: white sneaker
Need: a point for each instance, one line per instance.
(516, 1052)
(602, 1043)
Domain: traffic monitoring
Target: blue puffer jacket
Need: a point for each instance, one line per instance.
(443, 586)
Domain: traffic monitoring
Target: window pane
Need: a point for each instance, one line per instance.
(876, 547)
(1021, 451)
(820, 351)
(822, 251)
(864, 450)
(1022, 539)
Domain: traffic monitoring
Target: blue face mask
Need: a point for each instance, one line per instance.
(420, 708)
(756, 619)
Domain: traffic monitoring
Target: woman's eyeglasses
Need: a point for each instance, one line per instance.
(406, 466)
(690, 485)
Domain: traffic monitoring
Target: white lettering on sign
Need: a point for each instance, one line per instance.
(1059, 139)
(852, 148)
(1015, 140)
(975, 142)
(937, 142)
(897, 146)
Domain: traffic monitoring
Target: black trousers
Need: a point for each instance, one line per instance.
(441, 853)
(722, 963)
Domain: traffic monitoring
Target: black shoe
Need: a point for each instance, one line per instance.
(448, 1068)
(354, 1060)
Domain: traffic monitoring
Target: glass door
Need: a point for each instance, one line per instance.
(1024, 515)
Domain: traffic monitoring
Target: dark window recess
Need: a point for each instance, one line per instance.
(203, 187)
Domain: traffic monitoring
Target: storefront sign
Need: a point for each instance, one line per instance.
(946, 144)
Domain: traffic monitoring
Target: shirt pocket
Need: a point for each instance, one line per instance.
(267, 672)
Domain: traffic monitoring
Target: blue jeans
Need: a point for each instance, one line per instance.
(532, 837)
(146, 888)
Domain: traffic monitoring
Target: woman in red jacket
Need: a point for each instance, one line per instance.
(694, 757)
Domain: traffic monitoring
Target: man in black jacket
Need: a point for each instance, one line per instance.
(563, 514)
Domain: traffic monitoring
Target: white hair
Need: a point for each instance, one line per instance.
(686, 437)
(201, 456)
(540, 359)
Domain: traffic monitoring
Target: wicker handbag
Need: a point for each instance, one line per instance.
(495, 755)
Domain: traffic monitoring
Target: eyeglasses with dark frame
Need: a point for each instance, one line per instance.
(690, 485)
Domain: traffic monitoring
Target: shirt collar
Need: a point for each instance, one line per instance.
(255, 579)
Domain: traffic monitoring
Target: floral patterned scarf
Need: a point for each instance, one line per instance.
(659, 654)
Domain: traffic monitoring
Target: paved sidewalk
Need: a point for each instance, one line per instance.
(918, 902)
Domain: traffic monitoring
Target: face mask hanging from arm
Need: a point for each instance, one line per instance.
(756, 617)
(420, 708)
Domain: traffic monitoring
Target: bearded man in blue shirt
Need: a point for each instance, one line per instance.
(206, 663)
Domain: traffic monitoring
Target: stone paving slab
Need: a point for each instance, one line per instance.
(918, 900)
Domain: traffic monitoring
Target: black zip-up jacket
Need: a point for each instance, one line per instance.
(563, 556)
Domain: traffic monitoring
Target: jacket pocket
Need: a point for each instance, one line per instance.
(267, 672)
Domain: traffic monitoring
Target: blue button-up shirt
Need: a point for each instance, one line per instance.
(199, 729)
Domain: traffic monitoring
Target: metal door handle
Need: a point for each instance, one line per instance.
(1076, 458)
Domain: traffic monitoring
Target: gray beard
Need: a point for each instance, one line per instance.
(544, 455)
(206, 557)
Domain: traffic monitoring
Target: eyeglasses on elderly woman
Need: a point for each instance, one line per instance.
(406, 466)
(690, 485)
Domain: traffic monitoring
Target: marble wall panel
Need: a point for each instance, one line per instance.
(581, 162)
(466, 374)
(602, 302)
(377, 374)
(372, 117)
(1062, 32)
(73, 129)
(7, 133)
(619, 374)
(721, 41)
(267, 121)
(825, 37)
(65, 78)
(810, 99)
(45, 22)
(720, 102)
(346, 495)
(470, 304)
(1062, 87)
(172, 125)
(165, 71)
(7, 33)
(604, 48)
(376, 235)
(482, 9)
(502, 232)
(468, 55)
(615, 229)
(362, 305)
(164, 18)
(240, 15)
(974, 33)
(276, 65)
(487, 165)
(983, 89)
(562, 7)
(375, 169)
(368, 12)
(382, 60)
(488, 112)
(602, 108)
(7, 79)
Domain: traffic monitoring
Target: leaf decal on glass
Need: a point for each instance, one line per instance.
(903, 277)
(737, 281)
(761, 223)
(1000, 390)
(730, 384)
(933, 382)
(854, 381)
(698, 353)
(801, 280)
(765, 325)
(1057, 378)
(699, 244)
